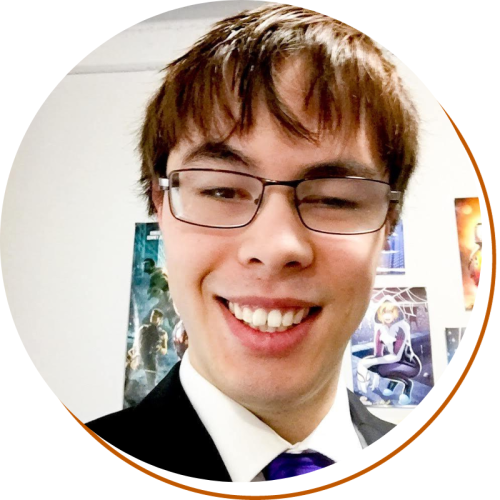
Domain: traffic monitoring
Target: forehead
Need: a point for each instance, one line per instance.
(267, 150)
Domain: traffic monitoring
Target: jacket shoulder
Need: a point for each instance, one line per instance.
(115, 427)
(164, 430)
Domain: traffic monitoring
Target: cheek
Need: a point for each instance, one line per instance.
(353, 261)
(350, 277)
(191, 254)
(364, 259)
(181, 264)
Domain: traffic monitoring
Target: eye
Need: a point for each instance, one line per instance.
(226, 193)
(330, 202)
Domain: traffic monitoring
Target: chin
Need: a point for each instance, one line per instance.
(274, 386)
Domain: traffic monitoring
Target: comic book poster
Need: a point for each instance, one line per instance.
(470, 243)
(453, 339)
(391, 349)
(151, 350)
(392, 259)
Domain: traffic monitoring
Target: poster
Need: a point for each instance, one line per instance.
(453, 339)
(391, 349)
(151, 350)
(470, 245)
(392, 258)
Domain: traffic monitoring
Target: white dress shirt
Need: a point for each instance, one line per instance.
(247, 445)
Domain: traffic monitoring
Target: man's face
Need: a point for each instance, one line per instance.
(275, 263)
(156, 319)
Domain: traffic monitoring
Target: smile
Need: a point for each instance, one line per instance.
(268, 321)
(270, 327)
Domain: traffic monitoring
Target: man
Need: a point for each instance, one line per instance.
(275, 156)
(158, 291)
(151, 340)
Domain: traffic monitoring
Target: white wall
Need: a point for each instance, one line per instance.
(71, 205)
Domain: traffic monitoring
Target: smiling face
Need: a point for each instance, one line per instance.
(388, 313)
(272, 273)
(388, 318)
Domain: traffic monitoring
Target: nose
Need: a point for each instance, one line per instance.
(276, 240)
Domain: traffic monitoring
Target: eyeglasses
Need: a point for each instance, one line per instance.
(225, 199)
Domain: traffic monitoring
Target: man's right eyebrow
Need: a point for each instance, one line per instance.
(218, 151)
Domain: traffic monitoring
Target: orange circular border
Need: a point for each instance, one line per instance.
(406, 443)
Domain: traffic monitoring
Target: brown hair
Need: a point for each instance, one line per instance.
(222, 78)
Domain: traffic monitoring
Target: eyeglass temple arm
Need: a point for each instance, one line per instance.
(163, 183)
(395, 196)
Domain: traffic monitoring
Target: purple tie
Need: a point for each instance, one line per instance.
(295, 464)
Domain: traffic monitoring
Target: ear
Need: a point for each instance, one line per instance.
(157, 195)
(392, 220)
(387, 229)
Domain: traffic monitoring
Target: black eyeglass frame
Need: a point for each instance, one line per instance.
(164, 185)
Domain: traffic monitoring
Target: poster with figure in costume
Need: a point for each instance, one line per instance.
(470, 242)
(151, 347)
(391, 350)
(392, 258)
(453, 339)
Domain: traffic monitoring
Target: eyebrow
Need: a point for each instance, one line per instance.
(340, 168)
(222, 151)
(218, 151)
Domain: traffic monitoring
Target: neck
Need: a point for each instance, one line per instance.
(295, 422)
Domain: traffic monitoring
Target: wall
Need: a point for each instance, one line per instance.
(71, 205)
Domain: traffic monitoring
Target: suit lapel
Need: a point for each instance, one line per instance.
(183, 445)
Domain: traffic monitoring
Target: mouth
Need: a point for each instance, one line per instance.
(269, 320)
(269, 326)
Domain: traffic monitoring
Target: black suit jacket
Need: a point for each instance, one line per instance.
(164, 430)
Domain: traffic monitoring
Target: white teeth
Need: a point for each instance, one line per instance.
(259, 317)
(238, 312)
(298, 317)
(247, 315)
(264, 321)
(266, 329)
(287, 319)
(274, 318)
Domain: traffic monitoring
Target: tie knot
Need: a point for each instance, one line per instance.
(295, 464)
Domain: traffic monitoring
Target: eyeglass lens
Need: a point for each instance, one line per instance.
(223, 199)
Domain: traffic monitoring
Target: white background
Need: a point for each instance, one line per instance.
(451, 49)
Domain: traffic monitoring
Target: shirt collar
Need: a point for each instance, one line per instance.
(246, 444)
